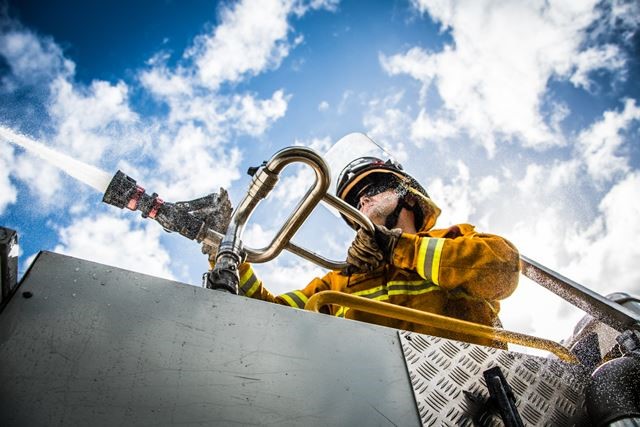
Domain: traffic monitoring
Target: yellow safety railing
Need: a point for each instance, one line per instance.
(437, 321)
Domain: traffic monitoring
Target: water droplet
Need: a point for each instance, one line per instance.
(77, 269)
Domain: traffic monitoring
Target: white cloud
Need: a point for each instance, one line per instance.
(293, 185)
(622, 18)
(606, 57)
(487, 187)
(600, 144)
(43, 180)
(388, 125)
(425, 128)
(117, 241)
(8, 192)
(162, 82)
(323, 106)
(254, 117)
(255, 236)
(601, 255)
(291, 188)
(321, 145)
(193, 163)
(302, 7)
(280, 277)
(347, 96)
(89, 121)
(454, 198)
(251, 38)
(31, 59)
(606, 253)
(492, 78)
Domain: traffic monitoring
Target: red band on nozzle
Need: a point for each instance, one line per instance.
(157, 202)
(133, 202)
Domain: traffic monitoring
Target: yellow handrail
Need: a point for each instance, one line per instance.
(437, 321)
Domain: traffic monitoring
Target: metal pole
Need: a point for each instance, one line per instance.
(606, 311)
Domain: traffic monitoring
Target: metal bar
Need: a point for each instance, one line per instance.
(437, 321)
(264, 181)
(349, 211)
(315, 258)
(606, 311)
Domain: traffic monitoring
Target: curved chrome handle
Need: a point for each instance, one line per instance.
(262, 184)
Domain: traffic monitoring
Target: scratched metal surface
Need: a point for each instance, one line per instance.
(547, 392)
(96, 345)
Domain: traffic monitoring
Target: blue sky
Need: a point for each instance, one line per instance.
(519, 117)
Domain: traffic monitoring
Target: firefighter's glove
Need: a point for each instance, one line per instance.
(370, 251)
(387, 240)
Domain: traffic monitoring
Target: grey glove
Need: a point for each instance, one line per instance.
(368, 252)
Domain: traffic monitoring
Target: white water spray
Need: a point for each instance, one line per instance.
(88, 174)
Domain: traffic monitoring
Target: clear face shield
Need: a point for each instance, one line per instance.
(358, 145)
(350, 147)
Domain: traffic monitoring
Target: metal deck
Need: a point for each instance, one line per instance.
(96, 345)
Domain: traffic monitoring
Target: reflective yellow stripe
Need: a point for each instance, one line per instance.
(302, 296)
(414, 287)
(435, 267)
(249, 283)
(342, 312)
(288, 300)
(422, 252)
(253, 288)
(295, 299)
(369, 291)
(245, 277)
(428, 262)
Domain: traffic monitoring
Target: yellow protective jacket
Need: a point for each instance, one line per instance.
(456, 272)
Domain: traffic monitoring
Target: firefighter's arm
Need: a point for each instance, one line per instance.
(484, 265)
(251, 286)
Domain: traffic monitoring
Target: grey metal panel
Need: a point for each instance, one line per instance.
(548, 392)
(96, 345)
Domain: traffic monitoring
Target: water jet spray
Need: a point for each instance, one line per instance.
(201, 219)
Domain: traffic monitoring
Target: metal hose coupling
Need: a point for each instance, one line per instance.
(224, 276)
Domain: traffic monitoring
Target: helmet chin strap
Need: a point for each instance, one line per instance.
(392, 218)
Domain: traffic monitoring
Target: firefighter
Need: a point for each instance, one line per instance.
(457, 271)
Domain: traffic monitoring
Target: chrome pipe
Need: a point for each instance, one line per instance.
(263, 182)
(601, 308)
(304, 208)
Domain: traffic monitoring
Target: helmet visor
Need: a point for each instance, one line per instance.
(348, 148)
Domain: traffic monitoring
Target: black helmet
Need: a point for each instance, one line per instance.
(365, 172)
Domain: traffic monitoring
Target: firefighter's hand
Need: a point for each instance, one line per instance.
(368, 252)
(387, 240)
